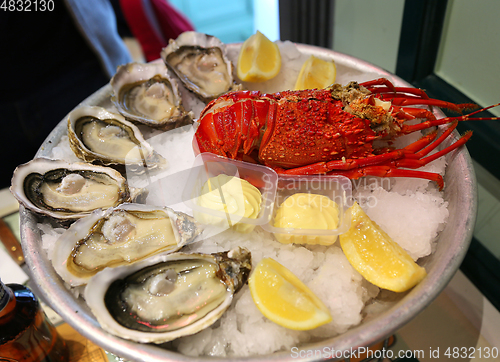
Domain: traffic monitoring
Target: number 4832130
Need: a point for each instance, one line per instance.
(27, 5)
(471, 352)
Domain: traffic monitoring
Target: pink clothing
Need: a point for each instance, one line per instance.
(153, 23)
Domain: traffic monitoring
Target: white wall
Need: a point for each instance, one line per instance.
(266, 18)
(469, 56)
(369, 30)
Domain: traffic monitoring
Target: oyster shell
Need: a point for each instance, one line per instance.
(145, 93)
(167, 296)
(68, 191)
(200, 62)
(119, 236)
(99, 136)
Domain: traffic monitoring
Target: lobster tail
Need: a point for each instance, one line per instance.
(230, 125)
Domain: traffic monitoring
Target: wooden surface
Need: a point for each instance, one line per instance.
(80, 348)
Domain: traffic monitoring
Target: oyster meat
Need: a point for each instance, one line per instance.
(145, 93)
(167, 296)
(68, 191)
(200, 62)
(119, 236)
(99, 136)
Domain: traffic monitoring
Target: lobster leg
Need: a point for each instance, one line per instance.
(392, 169)
(412, 113)
(416, 163)
(388, 171)
(437, 122)
(384, 85)
(406, 96)
(349, 164)
(388, 164)
(346, 164)
(444, 135)
(408, 101)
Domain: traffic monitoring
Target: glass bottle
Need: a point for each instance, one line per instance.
(26, 334)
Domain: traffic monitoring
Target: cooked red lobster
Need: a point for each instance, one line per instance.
(329, 130)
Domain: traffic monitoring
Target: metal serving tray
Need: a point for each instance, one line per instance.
(460, 192)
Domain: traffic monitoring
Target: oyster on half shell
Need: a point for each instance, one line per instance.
(145, 93)
(119, 236)
(200, 62)
(99, 136)
(68, 191)
(167, 296)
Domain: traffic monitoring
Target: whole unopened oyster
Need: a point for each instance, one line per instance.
(167, 296)
(200, 62)
(145, 93)
(68, 191)
(99, 136)
(119, 236)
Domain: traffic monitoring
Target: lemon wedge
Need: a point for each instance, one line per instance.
(284, 299)
(259, 59)
(378, 258)
(316, 73)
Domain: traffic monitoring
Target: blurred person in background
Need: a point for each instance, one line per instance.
(52, 60)
(153, 23)
(56, 57)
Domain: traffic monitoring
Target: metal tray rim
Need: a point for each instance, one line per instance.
(76, 313)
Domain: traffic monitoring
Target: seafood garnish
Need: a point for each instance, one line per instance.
(99, 136)
(329, 130)
(68, 191)
(167, 296)
(146, 94)
(200, 62)
(119, 236)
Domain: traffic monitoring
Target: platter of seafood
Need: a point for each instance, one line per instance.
(152, 232)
